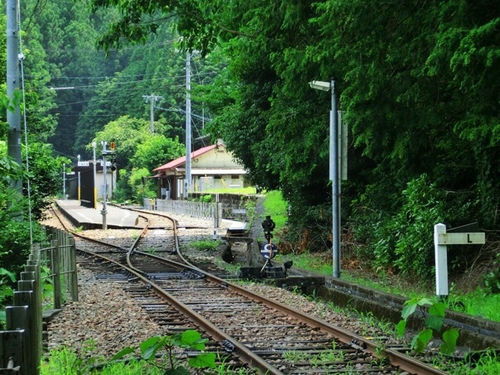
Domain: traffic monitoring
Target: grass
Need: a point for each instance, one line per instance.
(479, 303)
(308, 262)
(205, 245)
(276, 207)
(487, 363)
(317, 360)
(65, 361)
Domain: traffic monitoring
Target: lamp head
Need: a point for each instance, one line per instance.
(320, 85)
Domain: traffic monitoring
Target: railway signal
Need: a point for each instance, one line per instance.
(269, 250)
(105, 152)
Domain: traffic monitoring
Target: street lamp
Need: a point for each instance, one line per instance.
(333, 172)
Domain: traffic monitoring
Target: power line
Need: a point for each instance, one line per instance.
(178, 109)
(131, 75)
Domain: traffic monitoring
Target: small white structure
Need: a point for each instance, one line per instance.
(442, 239)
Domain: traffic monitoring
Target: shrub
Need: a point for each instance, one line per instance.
(405, 239)
(207, 198)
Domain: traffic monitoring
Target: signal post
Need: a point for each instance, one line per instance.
(105, 152)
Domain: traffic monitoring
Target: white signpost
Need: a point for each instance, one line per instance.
(441, 241)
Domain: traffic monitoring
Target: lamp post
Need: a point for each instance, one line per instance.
(334, 172)
(94, 145)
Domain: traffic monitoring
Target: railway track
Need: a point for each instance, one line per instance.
(260, 333)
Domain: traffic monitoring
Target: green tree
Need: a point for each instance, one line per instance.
(157, 150)
(417, 81)
(138, 152)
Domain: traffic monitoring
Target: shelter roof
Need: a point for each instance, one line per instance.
(182, 160)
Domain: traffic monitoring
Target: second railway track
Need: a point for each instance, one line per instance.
(265, 335)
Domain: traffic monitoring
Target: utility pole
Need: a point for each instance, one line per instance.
(187, 180)
(13, 116)
(152, 99)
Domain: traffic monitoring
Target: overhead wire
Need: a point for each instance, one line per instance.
(208, 73)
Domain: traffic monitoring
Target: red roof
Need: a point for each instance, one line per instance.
(182, 160)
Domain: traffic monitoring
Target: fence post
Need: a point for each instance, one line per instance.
(17, 320)
(12, 347)
(31, 280)
(63, 266)
(54, 262)
(25, 298)
(32, 286)
(73, 274)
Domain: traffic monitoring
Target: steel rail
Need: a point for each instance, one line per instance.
(404, 362)
(358, 342)
(400, 360)
(240, 350)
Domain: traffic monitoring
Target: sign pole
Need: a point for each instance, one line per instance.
(441, 259)
(441, 241)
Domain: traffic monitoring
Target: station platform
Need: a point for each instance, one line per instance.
(91, 218)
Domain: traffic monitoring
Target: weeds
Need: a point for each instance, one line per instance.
(316, 359)
(205, 245)
(433, 322)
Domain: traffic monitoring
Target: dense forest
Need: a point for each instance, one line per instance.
(417, 82)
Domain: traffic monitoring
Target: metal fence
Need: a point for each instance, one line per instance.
(21, 342)
(199, 210)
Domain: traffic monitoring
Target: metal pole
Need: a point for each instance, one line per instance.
(334, 167)
(64, 181)
(13, 115)
(79, 180)
(95, 175)
(105, 188)
(152, 114)
(187, 181)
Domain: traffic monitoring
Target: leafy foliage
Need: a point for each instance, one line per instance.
(417, 82)
(190, 339)
(433, 323)
(138, 152)
(156, 150)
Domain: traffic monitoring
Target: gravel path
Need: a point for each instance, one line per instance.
(102, 322)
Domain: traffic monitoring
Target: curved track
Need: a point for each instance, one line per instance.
(266, 335)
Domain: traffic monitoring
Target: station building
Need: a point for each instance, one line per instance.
(212, 167)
